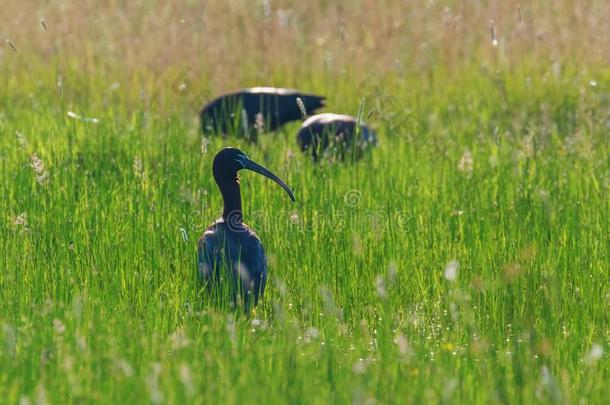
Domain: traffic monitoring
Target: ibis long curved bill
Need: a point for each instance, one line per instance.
(249, 164)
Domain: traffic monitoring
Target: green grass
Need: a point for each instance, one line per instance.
(99, 298)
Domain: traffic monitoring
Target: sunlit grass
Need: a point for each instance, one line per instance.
(465, 259)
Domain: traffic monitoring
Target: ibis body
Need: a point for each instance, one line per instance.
(229, 251)
(264, 109)
(340, 134)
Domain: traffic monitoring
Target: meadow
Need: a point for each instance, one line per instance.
(465, 260)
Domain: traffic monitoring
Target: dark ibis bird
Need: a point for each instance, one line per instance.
(338, 134)
(229, 252)
(259, 109)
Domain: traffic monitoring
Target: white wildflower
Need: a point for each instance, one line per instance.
(186, 379)
(466, 163)
(392, 273)
(58, 326)
(294, 218)
(138, 168)
(451, 270)
(380, 283)
(360, 366)
(179, 339)
(22, 219)
(493, 160)
(10, 339)
(527, 146)
(311, 333)
(124, 367)
(152, 381)
(41, 394)
(595, 353)
(403, 344)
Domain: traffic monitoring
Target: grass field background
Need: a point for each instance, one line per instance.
(465, 260)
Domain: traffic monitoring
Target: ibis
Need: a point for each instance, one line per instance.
(229, 251)
(339, 134)
(258, 109)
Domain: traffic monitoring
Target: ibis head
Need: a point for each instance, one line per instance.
(231, 160)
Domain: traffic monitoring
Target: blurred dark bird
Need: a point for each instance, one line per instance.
(230, 253)
(338, 134)
(259, 109)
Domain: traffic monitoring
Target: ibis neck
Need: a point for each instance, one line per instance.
(231, 196)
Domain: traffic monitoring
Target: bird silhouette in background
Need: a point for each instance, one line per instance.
(247, 112)
(338, 134)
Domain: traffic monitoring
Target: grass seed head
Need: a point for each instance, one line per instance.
(11, 45)
(301, 107)
(466, 163)
(41, 175)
